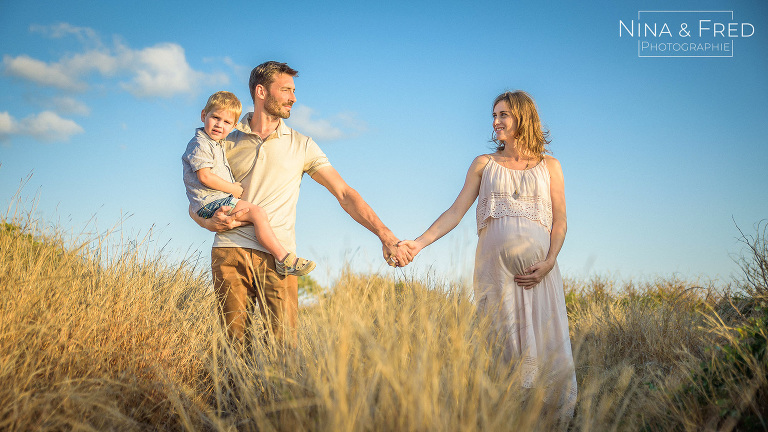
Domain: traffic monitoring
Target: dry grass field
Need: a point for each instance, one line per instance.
(96, 338)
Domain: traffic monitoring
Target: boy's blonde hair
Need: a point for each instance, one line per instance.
(224, 100)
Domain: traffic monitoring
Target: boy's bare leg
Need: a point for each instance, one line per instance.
(264, 234)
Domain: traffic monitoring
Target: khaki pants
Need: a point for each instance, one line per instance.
(243, 278)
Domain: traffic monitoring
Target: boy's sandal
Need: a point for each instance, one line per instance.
(292, 265)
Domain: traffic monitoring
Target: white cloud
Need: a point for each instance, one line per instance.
(68, 105)
(60, 30)
(7, 124)
(45, 126)
(40, 72)
(237, 69)
(65, 74)
(342, 125)
(303, 119)
(48, 126)
(350, 122)
(94, 60)
(161, 70)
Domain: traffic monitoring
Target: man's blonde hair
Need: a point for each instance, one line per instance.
(530, 135)
(224, 100)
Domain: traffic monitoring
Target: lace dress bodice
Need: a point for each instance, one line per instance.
(508, 192)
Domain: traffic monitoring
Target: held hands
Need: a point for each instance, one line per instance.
(534, 274)
(412, 245)
(403, 253)
(397, 255)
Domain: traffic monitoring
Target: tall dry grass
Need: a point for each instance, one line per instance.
(98, 338)
(91, 342)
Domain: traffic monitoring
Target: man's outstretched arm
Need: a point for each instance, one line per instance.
(351, 201)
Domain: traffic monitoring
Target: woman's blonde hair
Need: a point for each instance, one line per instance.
(530, 135)
(224, 100)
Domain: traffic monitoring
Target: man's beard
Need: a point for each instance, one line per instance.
(273, 107)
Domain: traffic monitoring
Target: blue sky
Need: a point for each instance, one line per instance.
(661, 155)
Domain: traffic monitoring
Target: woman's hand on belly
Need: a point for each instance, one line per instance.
(534, 274)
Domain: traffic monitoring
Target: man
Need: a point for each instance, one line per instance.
(268, 158)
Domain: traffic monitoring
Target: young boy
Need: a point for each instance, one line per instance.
(210, 184)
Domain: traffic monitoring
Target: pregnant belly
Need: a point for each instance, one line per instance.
(516, 242)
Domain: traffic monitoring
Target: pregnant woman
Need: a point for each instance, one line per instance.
(521, 226)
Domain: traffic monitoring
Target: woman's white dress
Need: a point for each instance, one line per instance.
(514, 221)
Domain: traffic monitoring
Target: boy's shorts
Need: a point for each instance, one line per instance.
(209, 209)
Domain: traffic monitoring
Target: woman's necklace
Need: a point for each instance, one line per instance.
(520, 185)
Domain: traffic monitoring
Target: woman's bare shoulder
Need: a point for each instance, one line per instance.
(551, 162)
(482, 160)
(479, 163)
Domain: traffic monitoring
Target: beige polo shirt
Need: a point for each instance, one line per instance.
(270, 171)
